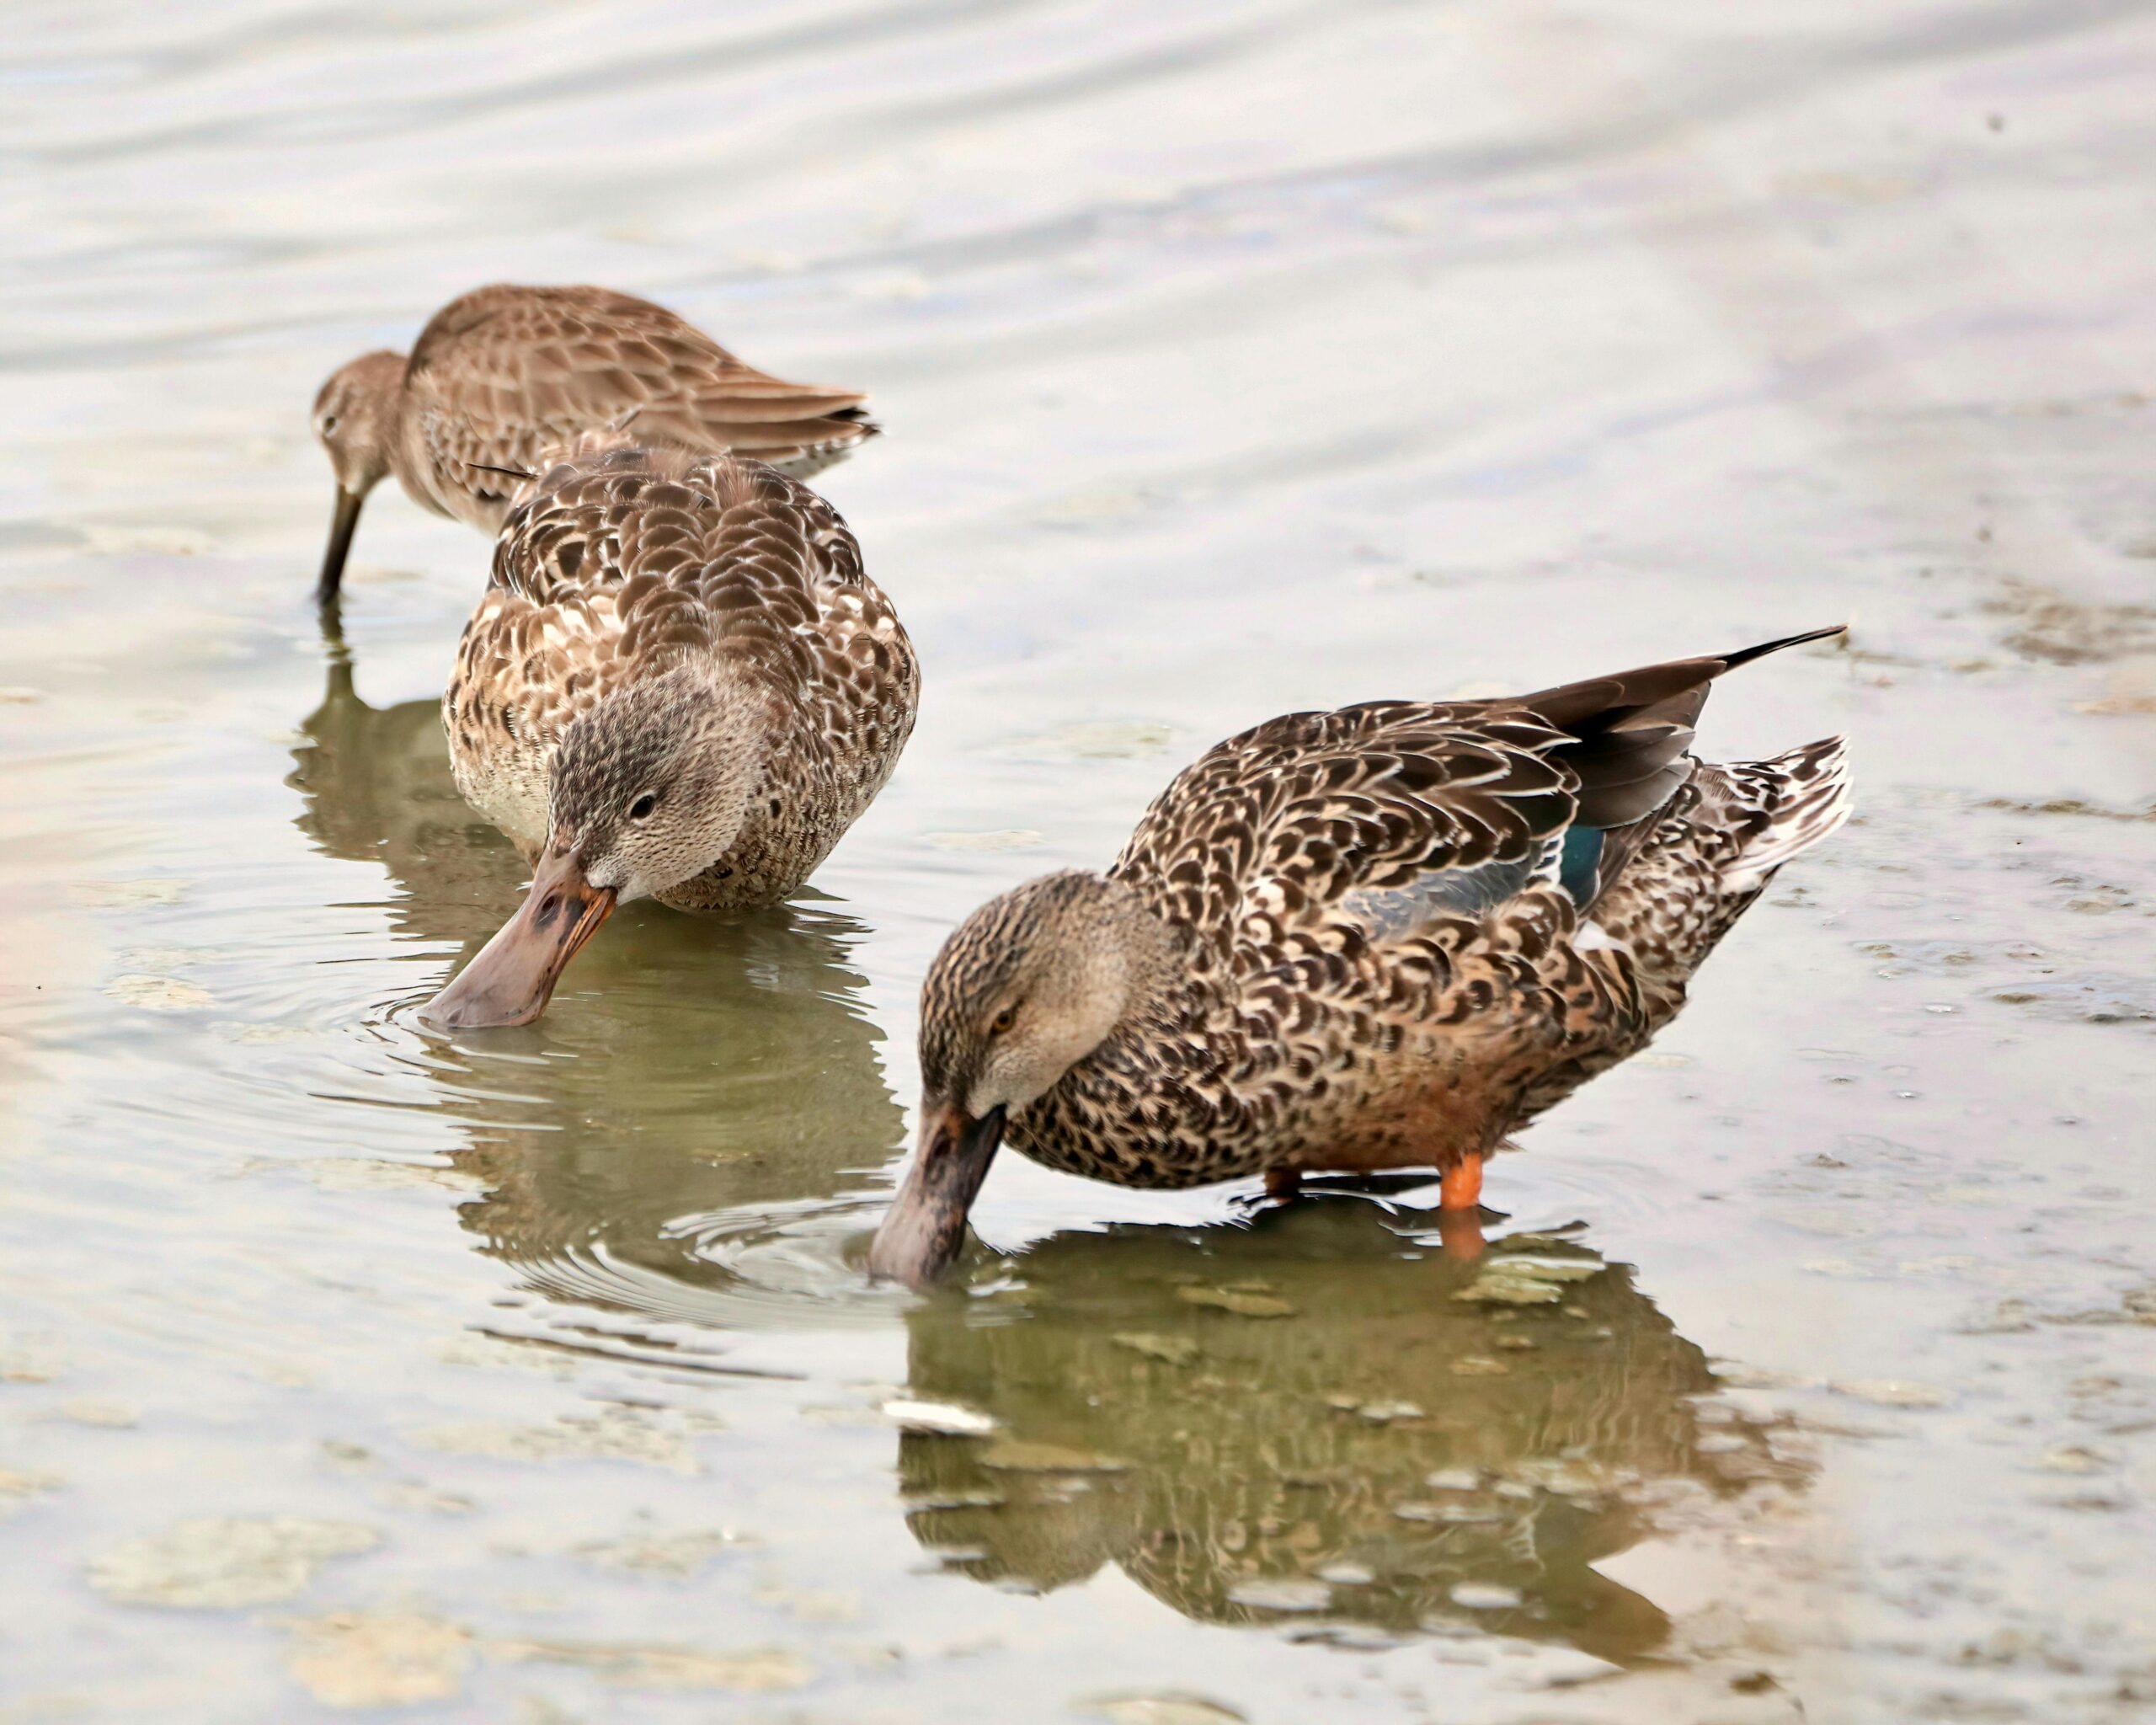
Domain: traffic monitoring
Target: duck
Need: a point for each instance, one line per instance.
(502, 374)
(679, 684)
(1379, 937)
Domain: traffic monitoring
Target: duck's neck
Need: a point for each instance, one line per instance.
(1156, 1098)
(1153, 957)
(727, 733)
(1155, 953)
(694, 739)
(380, 410)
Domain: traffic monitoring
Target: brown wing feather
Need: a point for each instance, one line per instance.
(1368, 818)
(505, 374)
(1281, 830)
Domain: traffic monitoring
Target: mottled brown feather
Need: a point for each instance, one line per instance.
(623, 562)
(503, 376)
(1377, 961)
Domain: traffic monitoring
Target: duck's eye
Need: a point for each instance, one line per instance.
(328, 423)
(644, 805)
(1003, 1021)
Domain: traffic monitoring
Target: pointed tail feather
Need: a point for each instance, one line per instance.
(1803, 795)
(1745, 655)
(1633, 728)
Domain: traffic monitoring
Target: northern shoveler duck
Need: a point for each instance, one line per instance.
(504, 375)
(679, 684)
(1379, 937)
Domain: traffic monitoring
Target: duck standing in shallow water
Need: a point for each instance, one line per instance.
(1379, 937)
(679, 684)
(505, 373)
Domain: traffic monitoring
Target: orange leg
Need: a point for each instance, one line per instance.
(1461, 1186)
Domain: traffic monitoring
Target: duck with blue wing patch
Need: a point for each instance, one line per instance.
(1382, 937)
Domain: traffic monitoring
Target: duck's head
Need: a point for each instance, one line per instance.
(354, 419)
(648, 789)
(1024, 988)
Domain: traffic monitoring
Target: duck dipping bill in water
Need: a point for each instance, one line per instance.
(1383, 936)
(681, 684)
(505, 373)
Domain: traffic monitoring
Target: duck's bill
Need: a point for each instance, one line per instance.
(513, 976)
(927, 1223)
(341, 527)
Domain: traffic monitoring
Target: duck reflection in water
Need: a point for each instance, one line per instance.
(374, 786)
(1320, 1422)
(722, 1080)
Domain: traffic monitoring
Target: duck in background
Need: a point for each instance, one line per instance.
(505, 374)
(1383, 936)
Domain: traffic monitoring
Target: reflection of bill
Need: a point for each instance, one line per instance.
(720, 1071)
(1319, 1420)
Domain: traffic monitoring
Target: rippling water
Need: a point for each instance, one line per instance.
(1233, 357)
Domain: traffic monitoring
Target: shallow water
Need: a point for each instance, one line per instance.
(1233, 358)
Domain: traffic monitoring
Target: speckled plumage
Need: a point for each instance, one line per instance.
(1385, 936)
(505, 374)
(699, 581)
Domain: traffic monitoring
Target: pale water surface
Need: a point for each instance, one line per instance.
(1233, 357)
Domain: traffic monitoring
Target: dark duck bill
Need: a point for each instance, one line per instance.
(515, 975)
(925, 1228)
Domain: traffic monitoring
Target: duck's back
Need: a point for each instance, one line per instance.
(623, 561)
(1368, 818)
(504, 374)
(1371, 824)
